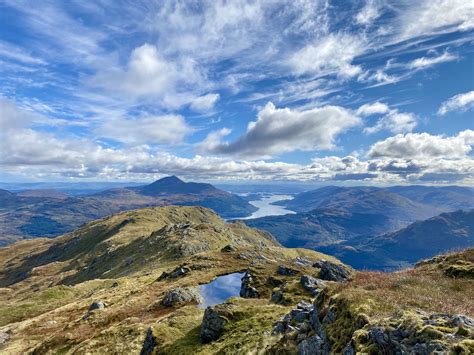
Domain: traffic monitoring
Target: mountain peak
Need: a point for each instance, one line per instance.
(168, 180)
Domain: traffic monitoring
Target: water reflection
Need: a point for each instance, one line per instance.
(222, 288)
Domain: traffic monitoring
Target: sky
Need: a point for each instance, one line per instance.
(356, 92)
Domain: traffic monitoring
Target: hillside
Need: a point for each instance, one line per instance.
(322, 227)
(362, 200)
(405, 204)
(131, 283)
(48, 213)
(423, 239)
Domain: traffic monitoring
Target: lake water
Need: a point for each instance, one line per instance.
(265, 207)
(222, 288)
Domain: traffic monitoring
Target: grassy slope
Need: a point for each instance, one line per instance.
(49, 284)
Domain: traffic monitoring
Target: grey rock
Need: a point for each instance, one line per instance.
(462, 321)
(312, 284)
(182, 295)
(149, 343)
(96, 305)
(334, 272)
(311, 346)
(174, 274)
(246, 288)
(349, 350)
(286, 271)
(214, 321)
(301, 261)
(4, 336)
(228, 248)
(277, 296)
(299, 315)
(279, 328)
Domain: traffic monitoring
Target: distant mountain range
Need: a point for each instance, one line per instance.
(34, 213)
(424, 239)
(346, 222)
(403, 203)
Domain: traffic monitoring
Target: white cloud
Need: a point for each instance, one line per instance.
(399, 159)
(426, 62)
(460, 102)
(395, 122)
(284, 130)
(429, 17)
(332, 54)
(11, 117)
(373, 108)
(149, 75)
(392, 120)
(369, 13)
(204, 103)
(166, 129)
(424, 146)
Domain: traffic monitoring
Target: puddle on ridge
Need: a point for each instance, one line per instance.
(222, 288)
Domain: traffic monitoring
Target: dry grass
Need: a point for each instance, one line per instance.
(380, 294)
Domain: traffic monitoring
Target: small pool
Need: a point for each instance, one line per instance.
(222, 288)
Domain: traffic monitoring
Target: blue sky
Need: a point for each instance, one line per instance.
(378, 92)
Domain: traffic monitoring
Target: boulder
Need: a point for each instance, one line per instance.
(311, 346)
(174, 274)
(214, 321)
(96, 305)
(312, 284)
(181, 295)
(286, 271)
(334, 272)
(246, 288)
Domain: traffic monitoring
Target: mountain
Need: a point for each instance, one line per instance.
(423, 239)
(449, 198)
(321, 227)
(173, 191)
(363, 200)
(173, 185)
(136, 282)
(404, 203)
(31, 217)
(34, 213)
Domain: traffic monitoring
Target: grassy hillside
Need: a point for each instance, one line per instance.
(47, 287)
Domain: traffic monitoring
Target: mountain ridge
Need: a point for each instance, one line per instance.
(32, 213)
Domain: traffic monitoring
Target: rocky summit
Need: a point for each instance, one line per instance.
(132, 283)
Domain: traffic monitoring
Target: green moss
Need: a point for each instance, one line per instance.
(429, 332)
(460, 269)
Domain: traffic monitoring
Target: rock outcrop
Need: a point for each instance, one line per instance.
(286, 271)
(149, 343)
(180, 271)
(312, 284)
(246, 289)
(182, 295)
(96, 305)
(315, 331)
(214, 321)
(333, 272)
